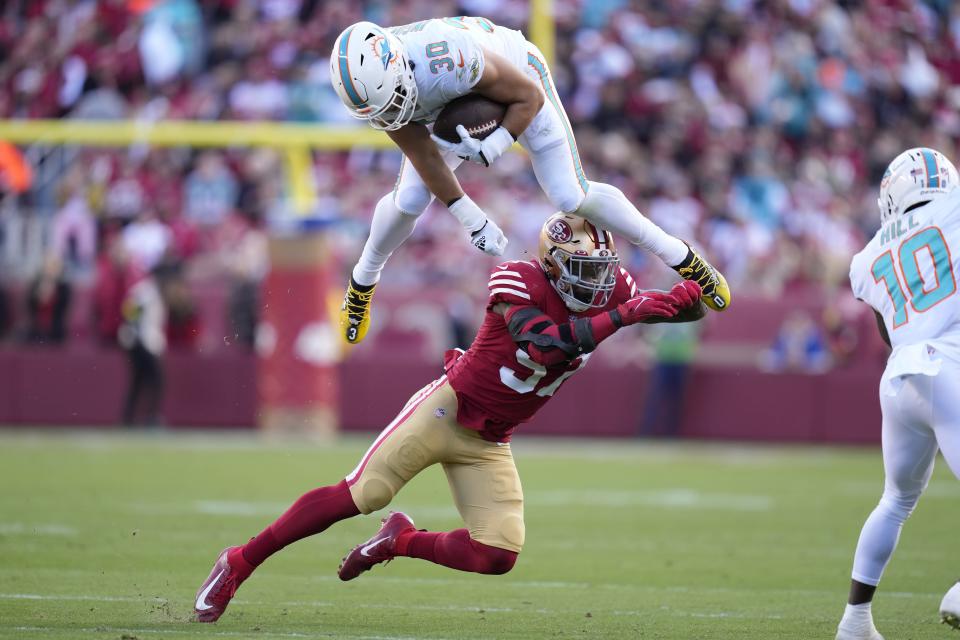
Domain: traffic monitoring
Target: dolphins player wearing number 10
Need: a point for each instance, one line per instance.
(908, 274)
(543, 320)
(399, 79)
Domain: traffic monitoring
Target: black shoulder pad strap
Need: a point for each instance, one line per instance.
(518, 321)
(520, 317)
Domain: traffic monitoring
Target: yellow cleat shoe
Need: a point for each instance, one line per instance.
(716, 293)
(355, 312)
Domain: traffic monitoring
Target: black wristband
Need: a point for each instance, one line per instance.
(616, 318)
(450, 203)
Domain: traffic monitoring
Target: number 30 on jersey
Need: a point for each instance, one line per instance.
(921, 295)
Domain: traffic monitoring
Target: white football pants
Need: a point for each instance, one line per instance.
(922, 417)
(556, 162)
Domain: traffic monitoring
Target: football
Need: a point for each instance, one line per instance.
(481, 116)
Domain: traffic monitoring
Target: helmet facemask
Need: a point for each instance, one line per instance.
(399, 110)
(583, 281)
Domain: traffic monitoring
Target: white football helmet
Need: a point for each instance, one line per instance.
(916, 176)
(372, 75)
(580, 261)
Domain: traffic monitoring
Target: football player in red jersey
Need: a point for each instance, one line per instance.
(544, 318)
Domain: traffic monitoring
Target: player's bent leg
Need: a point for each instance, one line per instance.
(556, 162)
(486, 488)
(487, 491)
(413, 441)
(909, 449)
(391, 225)
(607, 207)
(457, 550)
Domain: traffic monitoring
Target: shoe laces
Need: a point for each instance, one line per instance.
(356, 302)
(699, 272)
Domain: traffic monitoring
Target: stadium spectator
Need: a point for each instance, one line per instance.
(143, 336)
(73, 233)
(114, 276)
(799, 346)
(209, 191)
(147, 239)
(674, 347)
(183, 319)
(245, 260)
(48, 301)
(758, 131)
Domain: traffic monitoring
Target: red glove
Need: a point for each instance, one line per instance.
(687, 294)
(645, 306)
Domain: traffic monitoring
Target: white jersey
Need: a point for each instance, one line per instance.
(908, 274)
(447, 57)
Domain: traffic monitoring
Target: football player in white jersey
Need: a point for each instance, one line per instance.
(908, 274)
(398, 79)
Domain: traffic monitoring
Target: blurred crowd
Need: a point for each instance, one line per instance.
(758, 130)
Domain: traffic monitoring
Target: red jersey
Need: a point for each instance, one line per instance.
(498, 385)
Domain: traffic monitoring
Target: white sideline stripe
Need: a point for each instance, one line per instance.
(511, 283)
(519, 294)
(515, 584)
(224, 634)
(523, 584)
(237, 508)
(677, 498)
(73, 598)
(20, 528)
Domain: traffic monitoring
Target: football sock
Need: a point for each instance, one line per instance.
(857, 617)
(607, 207)
(880, 534)
(861, 593)
(389, 228)
(455, 549)
(312, 513)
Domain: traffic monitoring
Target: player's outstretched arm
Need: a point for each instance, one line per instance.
(414, 140)
(549, 343)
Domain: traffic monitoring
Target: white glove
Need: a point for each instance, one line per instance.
(480, 151)
(484, 232)
(490, 239)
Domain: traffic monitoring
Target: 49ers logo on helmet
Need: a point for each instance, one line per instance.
(560, 232)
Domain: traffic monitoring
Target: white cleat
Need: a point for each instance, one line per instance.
(847, 631)
(950, 607)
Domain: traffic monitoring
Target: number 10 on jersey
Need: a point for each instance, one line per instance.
(922, 295)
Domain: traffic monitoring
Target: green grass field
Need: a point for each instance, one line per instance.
(107, 536)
